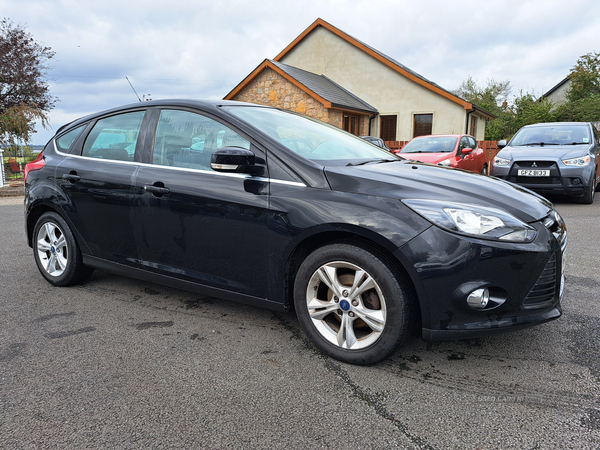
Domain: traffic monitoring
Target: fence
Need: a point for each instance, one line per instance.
(489, 147)
(13, 168)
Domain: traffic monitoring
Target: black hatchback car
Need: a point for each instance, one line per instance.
(271, 208)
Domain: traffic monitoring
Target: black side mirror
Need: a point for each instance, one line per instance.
(233, 159)
(502, 143)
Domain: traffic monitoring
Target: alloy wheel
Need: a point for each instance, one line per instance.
(346, 305)
(52, 249)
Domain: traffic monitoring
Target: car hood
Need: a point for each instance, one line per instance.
(545, 152)
(432, 158)
(414, 180)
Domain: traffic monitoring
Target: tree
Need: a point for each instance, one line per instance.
(585, 78)
(24, 93)
(492, 97)
(583, 95)
(528, 109)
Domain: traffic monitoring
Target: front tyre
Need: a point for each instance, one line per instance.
(56, 253)
(588, 197)
(350, 304)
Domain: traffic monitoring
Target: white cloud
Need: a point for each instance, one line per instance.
(202, 49)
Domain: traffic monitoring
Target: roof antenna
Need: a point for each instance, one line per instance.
(136, 94)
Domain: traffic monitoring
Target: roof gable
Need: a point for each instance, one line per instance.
(391, 63)
(558, 86)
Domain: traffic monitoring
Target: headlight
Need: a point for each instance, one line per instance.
(474, 220)
(445, 163)
(501, 161)
(580, 162)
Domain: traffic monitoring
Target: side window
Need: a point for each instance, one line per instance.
(114, 137)
(65, 141)
(185, 139)
(472, 143)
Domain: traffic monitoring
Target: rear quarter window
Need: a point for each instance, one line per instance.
(65, 142)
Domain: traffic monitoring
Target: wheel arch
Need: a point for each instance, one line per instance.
(315, 241)
(34, 214)
(36, 210)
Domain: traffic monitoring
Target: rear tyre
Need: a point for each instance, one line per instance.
(56, 253)
(484, 170)
(350, 304)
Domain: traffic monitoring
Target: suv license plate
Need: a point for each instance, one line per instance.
(533, 173)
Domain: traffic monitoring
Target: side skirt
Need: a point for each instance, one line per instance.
(121, 269)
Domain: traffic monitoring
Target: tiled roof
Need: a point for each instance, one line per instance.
(326, 88)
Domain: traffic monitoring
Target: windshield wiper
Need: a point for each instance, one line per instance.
(541, 144)
(377, 161)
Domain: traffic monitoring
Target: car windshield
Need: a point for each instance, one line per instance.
(552, 135)
(437, 144)
(311, 139)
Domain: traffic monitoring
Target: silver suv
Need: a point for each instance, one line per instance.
(552, 158)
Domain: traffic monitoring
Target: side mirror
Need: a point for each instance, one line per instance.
(233, 159)
(502, 143)
(466, 150)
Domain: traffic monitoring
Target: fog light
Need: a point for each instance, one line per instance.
(479, 298)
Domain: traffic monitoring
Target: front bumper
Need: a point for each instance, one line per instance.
(525, 281)
(563, 180)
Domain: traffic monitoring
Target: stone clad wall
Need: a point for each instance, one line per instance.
(271, 89)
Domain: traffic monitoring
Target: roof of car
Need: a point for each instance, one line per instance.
(202, 104)
(441, 135)
(555, 124)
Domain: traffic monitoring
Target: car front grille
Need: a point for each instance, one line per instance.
(538, 164)
(543, 292)
(554, 177)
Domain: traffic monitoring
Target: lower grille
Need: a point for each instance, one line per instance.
(543, 292)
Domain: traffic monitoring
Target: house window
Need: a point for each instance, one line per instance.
(423, 124)
(473, 129)
(388, 128)
(351, 124)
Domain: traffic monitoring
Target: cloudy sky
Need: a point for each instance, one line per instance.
(203, 49)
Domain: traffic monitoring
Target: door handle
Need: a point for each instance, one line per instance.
(157, 191)
(71, 177)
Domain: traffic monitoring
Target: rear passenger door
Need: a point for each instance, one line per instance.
(96, 178)
(197, 224)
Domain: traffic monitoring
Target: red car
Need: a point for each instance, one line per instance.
(450, 150)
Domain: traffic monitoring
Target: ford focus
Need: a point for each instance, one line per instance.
(270, 208)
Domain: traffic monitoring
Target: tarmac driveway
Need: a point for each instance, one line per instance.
(119, 363)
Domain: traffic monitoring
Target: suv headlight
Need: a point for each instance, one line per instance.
(474, 220)
(501, 161)
(579, 162)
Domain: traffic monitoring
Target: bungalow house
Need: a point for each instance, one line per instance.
(327, 74)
